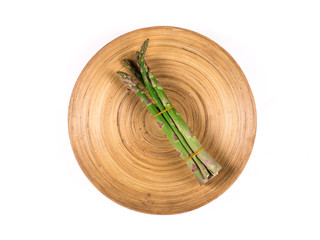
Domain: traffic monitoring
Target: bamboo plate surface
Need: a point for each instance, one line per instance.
(120, 147)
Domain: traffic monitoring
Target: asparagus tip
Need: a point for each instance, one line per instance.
(126, 62)
(121, 74)
(146, 42)
(144, 48)
(124, 76)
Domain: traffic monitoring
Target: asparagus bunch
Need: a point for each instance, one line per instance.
(199, 161)
(163, 124)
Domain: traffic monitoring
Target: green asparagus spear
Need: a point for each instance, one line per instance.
(143, 68)
(127, 79)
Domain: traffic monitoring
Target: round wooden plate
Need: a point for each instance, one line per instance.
(120, 147)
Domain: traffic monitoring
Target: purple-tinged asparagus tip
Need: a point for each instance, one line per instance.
(126, 79)
(126, 63)
(123, 75)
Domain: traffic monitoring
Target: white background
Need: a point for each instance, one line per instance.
(45, 45)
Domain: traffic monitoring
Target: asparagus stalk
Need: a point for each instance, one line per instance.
(193, 142)
(127, 79)
(143, 68)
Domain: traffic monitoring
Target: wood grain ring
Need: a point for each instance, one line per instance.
(118, 144)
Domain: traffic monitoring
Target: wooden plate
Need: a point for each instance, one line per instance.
(121, 149)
